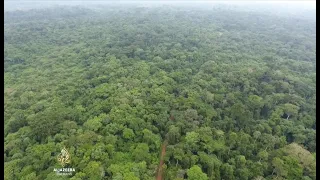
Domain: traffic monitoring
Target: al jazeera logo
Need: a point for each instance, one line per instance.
(64, 158)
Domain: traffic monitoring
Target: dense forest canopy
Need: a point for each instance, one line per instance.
(228, 94)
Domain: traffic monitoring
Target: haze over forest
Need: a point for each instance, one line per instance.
(166, 90)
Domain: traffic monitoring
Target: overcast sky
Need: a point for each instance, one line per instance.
(294, 5)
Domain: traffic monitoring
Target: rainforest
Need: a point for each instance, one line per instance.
(160, 92)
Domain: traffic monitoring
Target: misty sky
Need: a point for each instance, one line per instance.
(286, 5)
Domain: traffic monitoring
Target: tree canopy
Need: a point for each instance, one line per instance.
(232, 92)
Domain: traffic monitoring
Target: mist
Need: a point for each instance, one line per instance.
(285, 6)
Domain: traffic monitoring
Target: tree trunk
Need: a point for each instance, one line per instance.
(288, 117)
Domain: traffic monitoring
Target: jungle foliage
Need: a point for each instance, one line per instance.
(232, 92)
